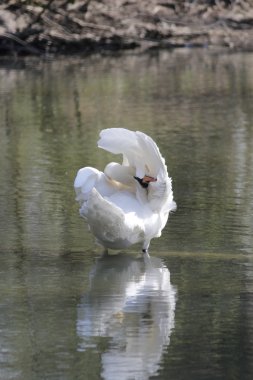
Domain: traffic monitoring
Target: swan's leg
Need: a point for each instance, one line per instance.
(145, 247)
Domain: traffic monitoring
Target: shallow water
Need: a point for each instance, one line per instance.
(67, 313)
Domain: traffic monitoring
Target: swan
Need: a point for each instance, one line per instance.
(128, 203)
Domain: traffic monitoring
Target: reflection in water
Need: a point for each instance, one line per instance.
(131, 302)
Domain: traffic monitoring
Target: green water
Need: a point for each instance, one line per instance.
(66, 313)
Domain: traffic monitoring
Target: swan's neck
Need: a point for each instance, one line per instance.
(121, 174)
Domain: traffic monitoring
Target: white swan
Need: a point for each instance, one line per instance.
(127, 203)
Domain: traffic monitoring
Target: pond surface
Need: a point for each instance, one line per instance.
(185, 313)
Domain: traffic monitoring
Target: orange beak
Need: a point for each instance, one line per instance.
(148, 179)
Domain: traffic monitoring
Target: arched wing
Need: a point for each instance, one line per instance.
(138, 149)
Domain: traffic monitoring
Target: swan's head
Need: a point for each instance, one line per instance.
(144, 182)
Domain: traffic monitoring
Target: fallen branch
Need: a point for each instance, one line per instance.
(85, 24)
(24, 44)
(40, 14)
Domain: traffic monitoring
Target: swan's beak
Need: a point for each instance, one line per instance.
(148, 179)
(145, 181)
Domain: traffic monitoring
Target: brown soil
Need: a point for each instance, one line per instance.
(76, 26)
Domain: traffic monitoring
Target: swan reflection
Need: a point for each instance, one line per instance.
(132, 304)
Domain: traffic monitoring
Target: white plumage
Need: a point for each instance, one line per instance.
(128, 203)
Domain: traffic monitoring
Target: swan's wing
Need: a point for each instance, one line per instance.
(120, 141)
(154, 162)
(109, 223)
(138, 149)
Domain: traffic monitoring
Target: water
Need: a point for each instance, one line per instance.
(67, 313)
